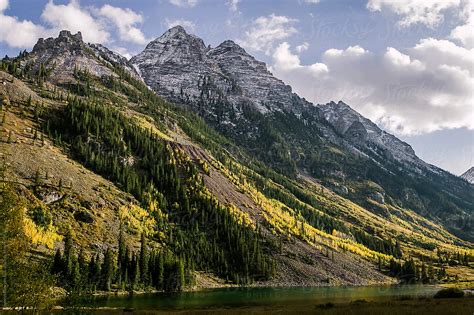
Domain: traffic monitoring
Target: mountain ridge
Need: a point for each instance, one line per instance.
(362, 131)
(403, 152)
(469, 175)
(238, 96)
(188, 183)
(176, 47)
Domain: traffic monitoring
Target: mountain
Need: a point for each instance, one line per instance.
(68, 52)
(366, 136)
(469, 175)
(235, 93)
(234, 180)
(179, 64)
(332, 143)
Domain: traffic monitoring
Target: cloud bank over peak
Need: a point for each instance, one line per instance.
(423, 89)
(74, 18)
(427, 12)
(97, 25)
(414, 90)
(265, 31)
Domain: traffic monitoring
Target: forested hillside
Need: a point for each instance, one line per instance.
(105, 186)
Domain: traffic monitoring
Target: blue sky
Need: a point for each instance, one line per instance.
(406, 64)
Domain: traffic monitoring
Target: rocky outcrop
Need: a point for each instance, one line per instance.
(469, 175)
(216, 81)
(114, 59)
(64, 42)
(179, 65)
(62, 55)
(368, 137)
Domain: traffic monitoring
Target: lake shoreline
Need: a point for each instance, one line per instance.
(398, 305)
(460, 285)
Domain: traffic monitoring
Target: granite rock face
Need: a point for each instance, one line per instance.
(469, 175)
(114, 59)
(62, 55)
(179, 64)
(364, 134)
(180, 67)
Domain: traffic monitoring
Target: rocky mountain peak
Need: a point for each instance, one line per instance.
(174, 46)
(362, 132)
(69, 36)
(177, 36)
(180, 67)
(228, 47)
(65, 41)
(469, 175)
(67, 52)
(176, 63)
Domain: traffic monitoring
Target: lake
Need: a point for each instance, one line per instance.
(273, 300)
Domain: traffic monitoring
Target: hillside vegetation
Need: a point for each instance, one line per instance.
(118, 189)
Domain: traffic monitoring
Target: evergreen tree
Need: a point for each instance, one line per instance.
(143, 264)
(107, 270)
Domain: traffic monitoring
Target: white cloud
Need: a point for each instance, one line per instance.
(233, 5)
(74, 18)
(288, 66)
(3, 5)
(422, 89)
(125, 20)
(188, 25)
(18, 33)
(94, 24)
(122, 51)
(427, 12)
(312, 1)
(184, 3)
(465, 33)
(266, 31)
(431, 13)
(436, 52)
(302, 47)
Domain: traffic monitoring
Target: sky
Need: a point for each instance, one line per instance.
(408, 65)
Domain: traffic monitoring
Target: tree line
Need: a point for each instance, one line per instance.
(197, 227)
(124, 269)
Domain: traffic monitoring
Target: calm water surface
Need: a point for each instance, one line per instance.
(249, 297)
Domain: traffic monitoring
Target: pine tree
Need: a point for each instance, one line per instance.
(57, 266)
(68, 254)
(107, 270)
(143, 260)
(121, 259)
(180, 275)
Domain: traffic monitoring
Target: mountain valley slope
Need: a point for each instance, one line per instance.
(240, 98)
(81, 128)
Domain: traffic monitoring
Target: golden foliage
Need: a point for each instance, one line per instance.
(40, 236)
(137, 219)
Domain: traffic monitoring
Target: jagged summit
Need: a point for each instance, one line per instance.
(65, 40)
(361, 131)
(176, 62)
(67, 52)
(177, 29)
(469, 175)
(181, 68)
(177, 36)
(229, 46)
